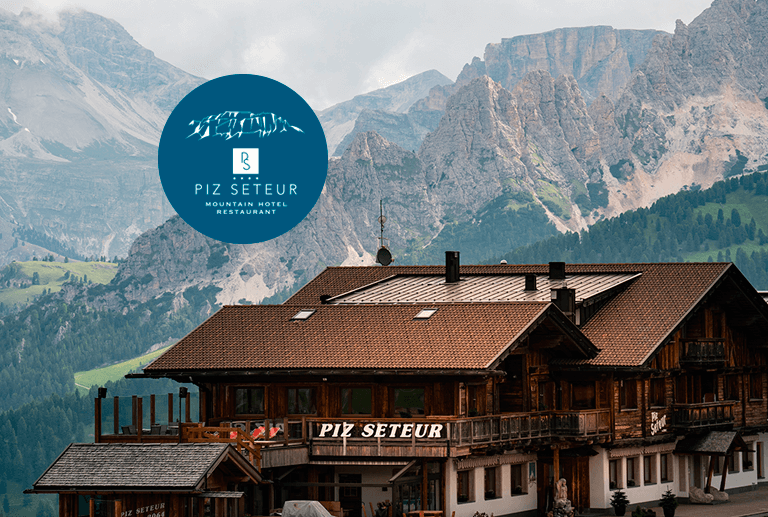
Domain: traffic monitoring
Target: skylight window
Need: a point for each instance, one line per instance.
(425, 314)
(303, 314)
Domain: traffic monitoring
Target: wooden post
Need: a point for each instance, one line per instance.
(116, 416)
(97, 420)
(92, 507)
(139, 417)
(118, 508)
(556, 463)
(424, 485)
(152, 409)
(712, 460)
(133, 410)
(186, 407)
(170, 408)
(725, 472)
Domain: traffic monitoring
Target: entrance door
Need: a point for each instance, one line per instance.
(576, 474)
(544, 486)
(351, 498)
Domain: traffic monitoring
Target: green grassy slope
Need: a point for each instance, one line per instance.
(100, 376)
(16, 279)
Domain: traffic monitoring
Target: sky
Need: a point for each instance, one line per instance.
(328, 52)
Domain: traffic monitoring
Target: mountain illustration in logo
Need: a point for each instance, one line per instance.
(234, 124)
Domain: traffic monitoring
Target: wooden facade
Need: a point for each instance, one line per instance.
(599, 393)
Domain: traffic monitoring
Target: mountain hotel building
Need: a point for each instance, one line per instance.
(455, 389)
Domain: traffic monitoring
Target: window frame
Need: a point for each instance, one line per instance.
(649, 469)
(523, 468)
(313, 408)
(755, 385)
(614, 475)
(666, 474)
(470, 492)
(400, 414)
(263, 389)
(492, 477)
(341, 401)
(628, 395)
(657, 384)
(632, 473)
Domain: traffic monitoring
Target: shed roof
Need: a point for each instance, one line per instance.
(712, 443)
(135, 467)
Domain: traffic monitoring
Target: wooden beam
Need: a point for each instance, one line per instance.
(170, 409)
(139, 417)
(92, 507)
(725, 473)
(152, 409)
(712, 460)
(556, 464)
(424, 485)
(186, 407)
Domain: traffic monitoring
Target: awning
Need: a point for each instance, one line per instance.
(714, 443)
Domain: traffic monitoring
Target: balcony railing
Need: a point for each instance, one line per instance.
(703, 416)
(702, 352)
(526, 426)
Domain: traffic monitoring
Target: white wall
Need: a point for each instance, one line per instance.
(506, 504)
(600, 492)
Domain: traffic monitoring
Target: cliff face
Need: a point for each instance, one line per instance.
(83, 109)
(338, 121)
(694, 110)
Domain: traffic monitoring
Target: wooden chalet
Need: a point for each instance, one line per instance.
(474, 388)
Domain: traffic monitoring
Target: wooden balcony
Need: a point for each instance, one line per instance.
(283, 442)
(708, 415)
(702, 352)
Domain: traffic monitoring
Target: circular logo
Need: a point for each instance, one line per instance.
(242, 159)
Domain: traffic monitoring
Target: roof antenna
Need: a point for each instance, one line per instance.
(383, 256)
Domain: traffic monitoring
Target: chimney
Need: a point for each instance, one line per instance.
(557, 270)
(451, 267)
(530, 282)
(565, 300)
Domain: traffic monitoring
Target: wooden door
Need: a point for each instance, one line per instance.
(576, 474)
(544, 486)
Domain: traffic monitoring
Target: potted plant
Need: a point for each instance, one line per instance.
(668, 503)
(619, 502)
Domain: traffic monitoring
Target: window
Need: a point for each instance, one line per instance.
(583, 395)
(748, 458)
(649, 470)
(425, 314)
(732, 387)
(665, 464)
(613, 473)
(475, 394)
(733, 464)
(303, 314)
(756, 386)
(632, 477)
(356, 401)
(519, 479)
(628, 394)
(658, 397)
(301, 401)
(409, 402)
(249, 401)
(464, 486)
(491, 477)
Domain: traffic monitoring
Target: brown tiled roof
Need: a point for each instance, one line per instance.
(129, 466)
(334, 281)
(642, 317)
(355, 337)
(627, 330)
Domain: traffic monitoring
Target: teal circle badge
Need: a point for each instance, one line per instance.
(242, 159)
